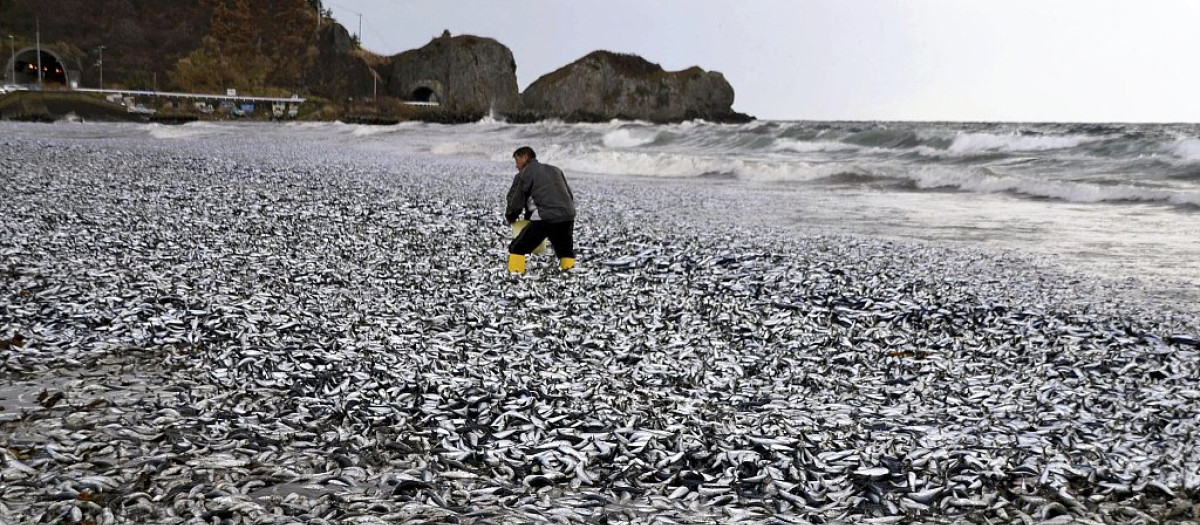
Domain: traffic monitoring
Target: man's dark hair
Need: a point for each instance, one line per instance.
(525, 150)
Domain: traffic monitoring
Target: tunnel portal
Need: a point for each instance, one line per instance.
(423, 94)
(24, 68)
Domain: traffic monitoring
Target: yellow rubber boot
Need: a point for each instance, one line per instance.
(566, 263)
(516, 263)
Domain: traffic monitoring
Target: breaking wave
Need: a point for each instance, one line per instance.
(1067, 162)
(190, 130)
(629, 138)
(987, 142)
(984, 181)
(1186, 149)
(671, 165)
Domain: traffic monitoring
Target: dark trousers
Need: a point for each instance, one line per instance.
(561, 235)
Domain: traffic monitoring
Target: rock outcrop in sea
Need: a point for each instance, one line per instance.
(463, 73)
(293, 47)
(604, 85)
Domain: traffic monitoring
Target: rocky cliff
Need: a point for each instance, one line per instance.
(465, 73)
(281, 47)
(340, 72)
(604, 86)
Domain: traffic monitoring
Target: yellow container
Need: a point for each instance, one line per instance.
(520, 225)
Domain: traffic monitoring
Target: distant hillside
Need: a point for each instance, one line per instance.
(284, 47)
(142, 38)
(202, 45)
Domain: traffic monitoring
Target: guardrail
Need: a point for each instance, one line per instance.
(199, 96)
(217, 96)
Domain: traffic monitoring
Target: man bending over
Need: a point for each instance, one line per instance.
(540, 192)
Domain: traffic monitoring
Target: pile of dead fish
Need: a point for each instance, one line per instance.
(192, 334)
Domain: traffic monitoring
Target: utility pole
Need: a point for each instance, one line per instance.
(101, 64)
(12, 68)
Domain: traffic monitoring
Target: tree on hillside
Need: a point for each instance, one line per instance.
(228, 57)
(141, 38)
(252, 45)
(292, 42)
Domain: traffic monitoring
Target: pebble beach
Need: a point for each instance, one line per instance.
(257, 330)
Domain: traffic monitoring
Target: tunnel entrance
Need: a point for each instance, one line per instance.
(423, 94)
(24, 68)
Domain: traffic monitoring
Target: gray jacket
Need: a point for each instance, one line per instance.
(541, 192)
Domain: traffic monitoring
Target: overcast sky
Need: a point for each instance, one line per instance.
(1008, 60)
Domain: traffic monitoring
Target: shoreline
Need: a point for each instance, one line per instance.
(305, 345)
(55, 106)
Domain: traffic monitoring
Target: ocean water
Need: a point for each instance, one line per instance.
(1114, 200)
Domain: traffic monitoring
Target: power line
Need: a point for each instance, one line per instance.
(375, 33)
(378, 36)
(360, 15)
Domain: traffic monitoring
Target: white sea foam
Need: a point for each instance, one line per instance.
(183, 131)
(634, 163)
(673, 165)
(365, 130)
(490, 120)
(464, 148)
(1185, 148)
(629, 138)
(985, 142)
(1071, 191)
(804, 146)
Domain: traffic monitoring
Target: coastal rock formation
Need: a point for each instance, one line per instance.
(338, 71)
(605, 85)
(463, 73)
(295, 46)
